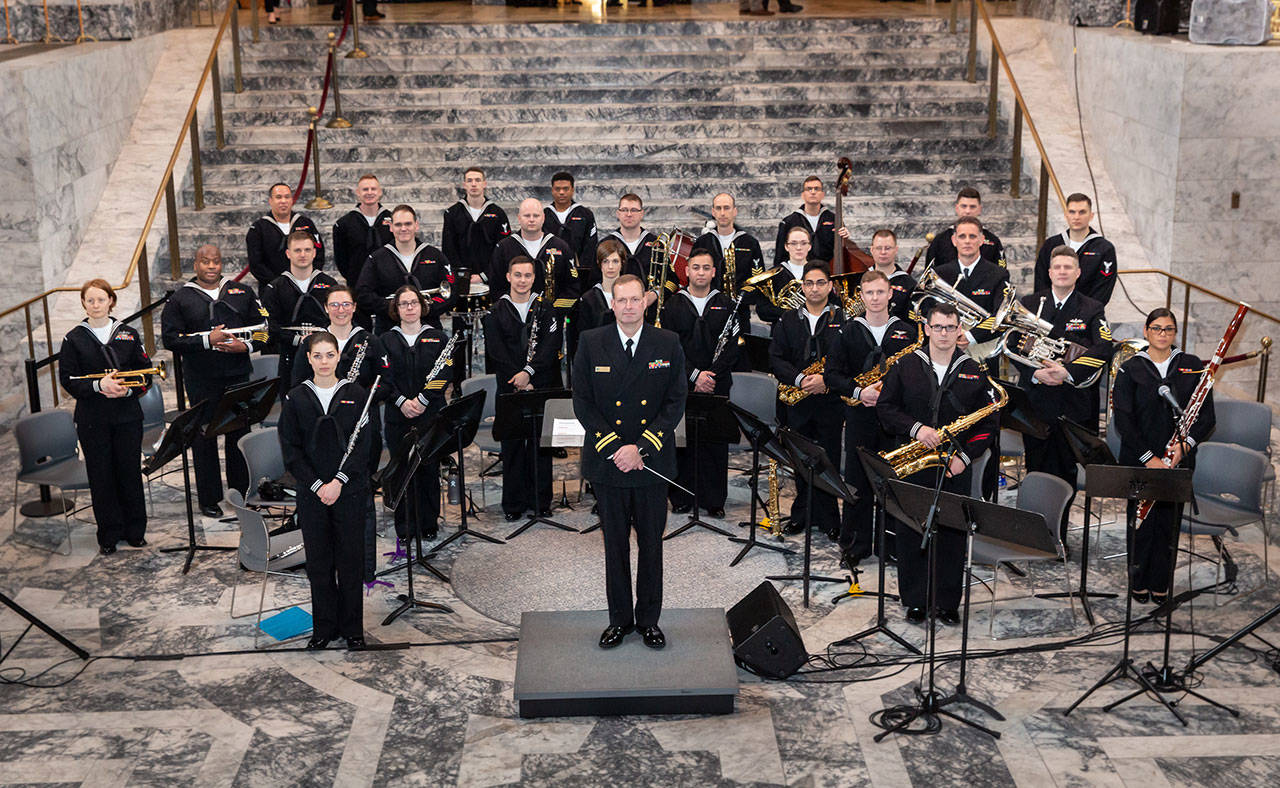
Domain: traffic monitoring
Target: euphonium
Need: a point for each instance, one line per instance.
(130, 379)
(852, 304)
(915, 456)
(792, 394)
(877, 373)
(931, 286)
(730, 271)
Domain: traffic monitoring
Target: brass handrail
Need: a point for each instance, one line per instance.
(164, 193)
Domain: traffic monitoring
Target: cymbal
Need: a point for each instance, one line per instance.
(763, 275)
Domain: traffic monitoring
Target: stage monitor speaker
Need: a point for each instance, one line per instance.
(1159, 17)
(1245, 22)
(764, 633)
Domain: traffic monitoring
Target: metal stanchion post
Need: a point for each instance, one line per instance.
(49, 37)
(317, 203)
(253, 19)
(80, 39)
(1263, 364)
(8, 33)
(337, 121)
(356, 51)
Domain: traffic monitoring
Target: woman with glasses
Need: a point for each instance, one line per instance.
(1146, 423)
(799, 250)
(340, 307)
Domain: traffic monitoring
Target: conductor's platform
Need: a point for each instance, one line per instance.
(562, 672)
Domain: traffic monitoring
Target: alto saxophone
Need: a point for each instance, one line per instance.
(730, 270)
(915, 456)
(792, 394)
(877, 373)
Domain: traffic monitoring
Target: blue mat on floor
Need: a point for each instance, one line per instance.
(288, 623)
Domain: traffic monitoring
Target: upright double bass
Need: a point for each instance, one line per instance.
(849, 258)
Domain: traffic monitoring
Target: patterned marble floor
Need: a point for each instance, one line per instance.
(439, 713)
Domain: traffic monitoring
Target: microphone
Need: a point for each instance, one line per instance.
(1165, 392)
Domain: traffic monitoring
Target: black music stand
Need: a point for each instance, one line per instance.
(458, 423)
(761, 439)
(243, 406)
(177, 440)
(810, 460)
(518, 416)
(397, 479)
(34, 621)
(756, 350)
(1089, 449)
(706, 416)
(1019, 415)
(878, 473)
(1167, 485)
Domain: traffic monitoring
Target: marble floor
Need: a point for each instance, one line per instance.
(177, 695)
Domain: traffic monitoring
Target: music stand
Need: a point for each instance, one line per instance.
(756, 350)
(1163, 485)
(809, 459)
(1089, 449)
(518, 416)
(458, 423)
(177, 440)
(761, 439)
(34, 621)
(706, 417)
(242, 406)
(1019, 415)
(878, 473)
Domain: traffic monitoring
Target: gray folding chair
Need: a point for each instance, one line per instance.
(484, 435)
(1228, 489)
(263, 553)
(1247, 424)
(47, 455)
(1047, 495)
(265, 461)
(152, 402)
(1011, 446)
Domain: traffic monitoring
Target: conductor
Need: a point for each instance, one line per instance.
(629, 392)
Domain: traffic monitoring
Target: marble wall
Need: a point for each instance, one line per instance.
(106, 20)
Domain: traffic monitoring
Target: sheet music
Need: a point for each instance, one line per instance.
(567, 432)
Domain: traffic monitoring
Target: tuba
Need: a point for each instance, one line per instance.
(915, 456)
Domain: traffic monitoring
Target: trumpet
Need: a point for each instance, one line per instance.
(444, 290)
(915, 456)
(130, 379)
(242, 331)
(306, 329)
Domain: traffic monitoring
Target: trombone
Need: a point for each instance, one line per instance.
(130, 379)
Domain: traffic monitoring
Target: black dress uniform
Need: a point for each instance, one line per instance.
(313, 439)
(824, 234)
(468, 243)
(636, 262)
(902, 286)
(943, 250)
(856, 351)
(506, 344)
(565, 283)
(1079, 320)
(578, 229)
(288, 304)
(912, 398)
(621, 399)
(593, 310)
(208, 373)
(386, 271)
(265, 243)
(699, 330)
(748, 260)
(373, 363)
(355, 238)
(110, 430)
(1097, 265)
(818, 417)
(1146, 423)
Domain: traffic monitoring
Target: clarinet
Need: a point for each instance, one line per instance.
(445, 359)
(364, 419)
(533, 338)
(354, 372)
(729, 331)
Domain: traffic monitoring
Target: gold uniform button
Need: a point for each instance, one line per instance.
(644, 402)
(644, 421)
(618, 422)
(618, 403)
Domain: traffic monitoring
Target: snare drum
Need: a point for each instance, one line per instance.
(476, 300)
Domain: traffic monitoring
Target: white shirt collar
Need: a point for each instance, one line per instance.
(622, 337)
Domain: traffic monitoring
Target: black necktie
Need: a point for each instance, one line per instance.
(630, 343)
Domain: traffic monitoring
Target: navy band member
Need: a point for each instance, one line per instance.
(412, 348)
(546, 251)
(799, 249)
(864, 343)
(472, 227)
(1097, 254)
(406, 262)
(1146, 423)
(296, 298)
(801, 337)
(748, 260)
(927, 390)
(317, 421)
(1053, 387)
(570, 221)
(595, 308)
(108, 417)
(943, 250)
(884, 251)
(819, 221)
(629, 393)
(340, 306)
(214, 362)
(698, 314)
(507, 329)
(265, 241)
(361, 231)
(633, 236)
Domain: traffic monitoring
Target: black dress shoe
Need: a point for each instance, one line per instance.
(106, 549)
(850, 559)
(949, 617)
(137, 542)
(793, 527)
(315, 644)
(374, 16)
(681, 508)
(544, 511)
(915, 615)
(430, 533)
(716, 513)
(790, 8)
(1141, 597)
(511, 517)
(833, 534)
(212, 510)
(612, 636)
(356, 643)
(653, 637)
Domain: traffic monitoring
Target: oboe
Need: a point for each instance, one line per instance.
(533, 338)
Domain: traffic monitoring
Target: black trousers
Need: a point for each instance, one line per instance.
(861, 431)
(1150, 553)
(366, 7)
(913, 563)
(113, 462)
(334, 540)
(422, 500)
(517, 478)
(1052, 455)
(824, 429)
(621, 508)
(204, 451)
(712, 463)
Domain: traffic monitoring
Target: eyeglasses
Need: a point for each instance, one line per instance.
(815, 283)
(339, 305)
(405, 304)
(944, 329)
(631, 210)
(1162, 329)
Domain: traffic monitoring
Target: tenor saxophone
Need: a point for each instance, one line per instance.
(877, 373)
(916, 456)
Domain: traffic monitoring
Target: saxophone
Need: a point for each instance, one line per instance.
(549, 279)
(789, 394)
(915, 456)
(877, 373)
(773, 508)
(730, 270)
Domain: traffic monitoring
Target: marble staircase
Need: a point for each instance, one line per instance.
(674, 111)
